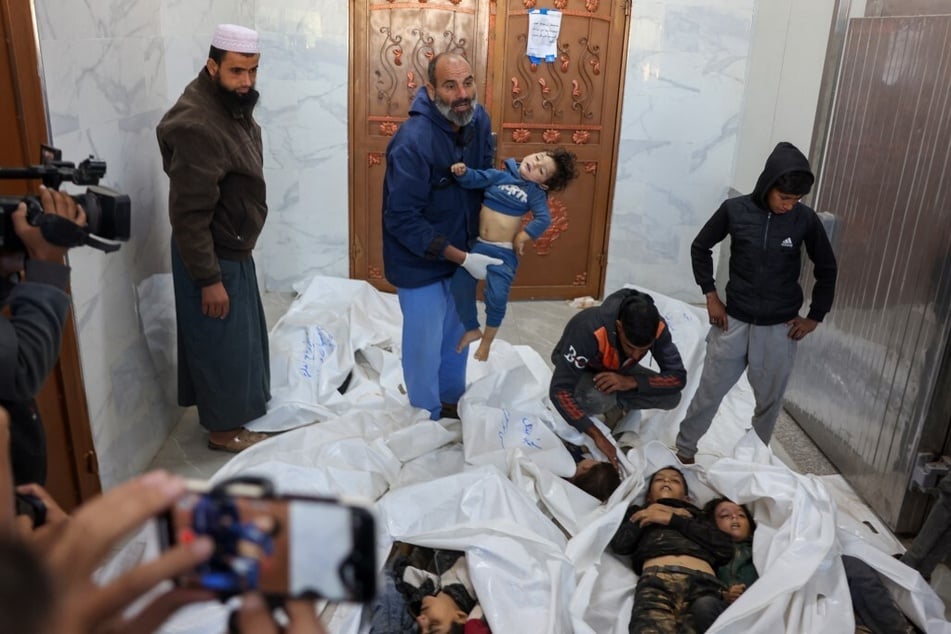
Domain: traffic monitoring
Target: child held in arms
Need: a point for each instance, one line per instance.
(510, 193)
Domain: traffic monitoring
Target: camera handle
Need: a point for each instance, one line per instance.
(62, 232)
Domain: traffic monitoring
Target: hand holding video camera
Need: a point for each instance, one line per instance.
(107, 212)
(54, 204)
(35, 245)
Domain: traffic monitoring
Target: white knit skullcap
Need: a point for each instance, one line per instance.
(237, 39)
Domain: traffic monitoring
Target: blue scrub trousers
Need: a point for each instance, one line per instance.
(434, 373)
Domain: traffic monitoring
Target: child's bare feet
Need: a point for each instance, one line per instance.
(488, 337)
(482, 354)
(468, 337)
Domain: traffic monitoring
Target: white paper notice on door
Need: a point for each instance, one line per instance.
(543, 29)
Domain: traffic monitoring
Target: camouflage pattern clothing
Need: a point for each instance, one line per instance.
(675, 600)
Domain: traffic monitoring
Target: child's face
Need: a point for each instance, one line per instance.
(732, 520)
(667, 483)
(437, 613)
(780, 203)
(537, 168)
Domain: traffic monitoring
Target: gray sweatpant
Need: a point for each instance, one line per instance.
(766, 352)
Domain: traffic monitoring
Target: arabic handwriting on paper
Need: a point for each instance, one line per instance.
(544, 33)
(543, 29)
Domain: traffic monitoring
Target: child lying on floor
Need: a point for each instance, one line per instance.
(428, 589)
(597, 478)
(674, 550)
(875, 609)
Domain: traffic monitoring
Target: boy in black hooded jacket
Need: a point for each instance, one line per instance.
(759, 327)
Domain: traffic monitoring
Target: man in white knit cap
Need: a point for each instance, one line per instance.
(212, 152)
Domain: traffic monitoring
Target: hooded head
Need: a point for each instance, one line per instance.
(786, 169)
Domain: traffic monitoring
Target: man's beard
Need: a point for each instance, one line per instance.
(460, 119)
(234, 99)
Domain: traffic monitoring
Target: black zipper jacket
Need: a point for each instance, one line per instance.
(766, 251)
(693, 536)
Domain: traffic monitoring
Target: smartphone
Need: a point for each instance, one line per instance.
(281, 546)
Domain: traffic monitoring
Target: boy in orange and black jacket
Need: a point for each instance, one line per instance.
(597, 363)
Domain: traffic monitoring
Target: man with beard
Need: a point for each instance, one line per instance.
(212, 152)
(428, 221)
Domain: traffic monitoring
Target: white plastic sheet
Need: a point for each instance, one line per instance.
(314, 348)
(494, 485)
(155, 297)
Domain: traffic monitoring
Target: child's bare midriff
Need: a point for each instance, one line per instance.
(684, 561)
(498, 227)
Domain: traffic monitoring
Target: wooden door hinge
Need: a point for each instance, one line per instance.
(91, 460)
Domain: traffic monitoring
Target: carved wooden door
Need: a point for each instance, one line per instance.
(573, 101)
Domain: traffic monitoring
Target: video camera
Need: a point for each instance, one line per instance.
(108, 213)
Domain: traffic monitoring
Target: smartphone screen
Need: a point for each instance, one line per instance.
(279, 546)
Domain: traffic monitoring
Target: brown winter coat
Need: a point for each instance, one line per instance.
(214, 159)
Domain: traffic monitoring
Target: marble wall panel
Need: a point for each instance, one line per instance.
(682, 105)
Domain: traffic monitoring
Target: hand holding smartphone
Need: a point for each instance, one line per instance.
(281, 546)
